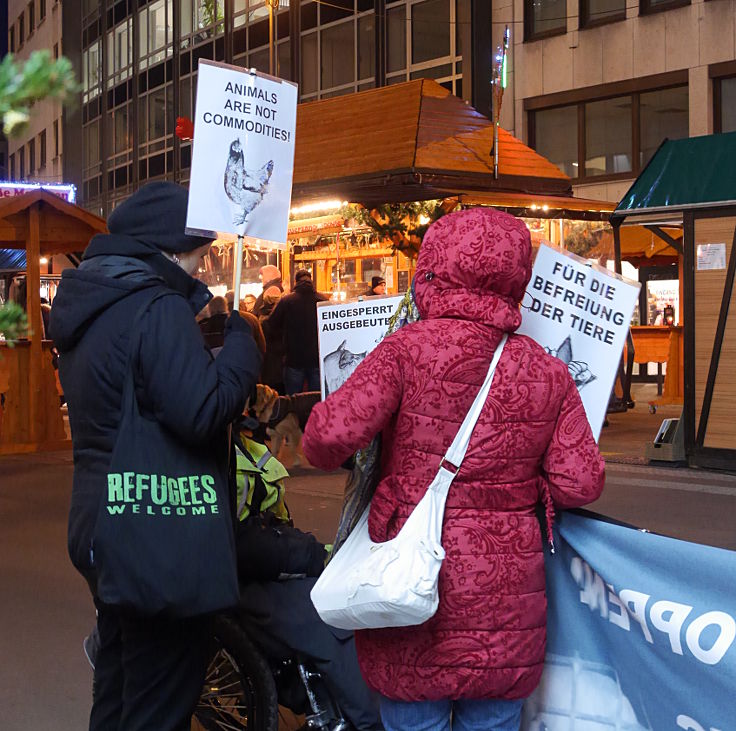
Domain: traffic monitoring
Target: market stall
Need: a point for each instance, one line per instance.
(44, 225)
(667, 195)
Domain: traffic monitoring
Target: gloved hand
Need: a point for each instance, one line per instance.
(235, 323)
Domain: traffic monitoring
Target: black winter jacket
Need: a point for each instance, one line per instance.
(177, 380)
(295, 317)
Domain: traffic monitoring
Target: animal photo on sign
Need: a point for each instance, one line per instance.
(339, 366)
(245, 187)
(578, 369)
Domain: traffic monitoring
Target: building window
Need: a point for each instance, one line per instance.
(201, 19)
(91, 72)
(11, 39)
(31, 157)
(555, 137)
(608, 137)
(604, 132)
(653, 6)
(41, 10)
(725, 117)
(22, 163)
(337, 55)
(430, 30)
(56, 138)
(155, 32)
(119, 53)
(42, 150)
(56, 50)
(544, 18)
(12, 167)
(31, 18)
(21, 30)
(597, 12)
(396, 39)
(366, 47)
(664, 113)
(310, 59)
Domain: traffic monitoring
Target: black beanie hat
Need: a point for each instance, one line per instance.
(376, 281)
(156, 214)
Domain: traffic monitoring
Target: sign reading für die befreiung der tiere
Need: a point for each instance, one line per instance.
(581, 314)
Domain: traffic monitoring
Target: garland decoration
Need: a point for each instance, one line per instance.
(402, 224)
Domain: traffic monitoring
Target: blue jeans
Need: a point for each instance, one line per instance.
(294, 379)
(467, 715)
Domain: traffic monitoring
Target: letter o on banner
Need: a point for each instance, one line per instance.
(724, 640)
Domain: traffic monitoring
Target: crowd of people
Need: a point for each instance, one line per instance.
(128, 315)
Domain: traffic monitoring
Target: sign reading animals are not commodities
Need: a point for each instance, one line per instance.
(347, 332)
(243, 153)
(581, 314)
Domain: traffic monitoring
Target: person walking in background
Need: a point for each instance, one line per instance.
(270, 276)
(378, 287)
(482, 653)
(149, 670)
(272, 373)
(296, 317)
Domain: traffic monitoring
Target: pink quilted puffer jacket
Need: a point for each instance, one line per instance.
(532, 442)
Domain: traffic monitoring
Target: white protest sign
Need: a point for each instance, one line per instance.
(582, 315)
(243, 154)
(347, 333)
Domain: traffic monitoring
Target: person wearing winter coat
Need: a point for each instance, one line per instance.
(271, 277)
(295, 317)
(482, 653)
(149, 670)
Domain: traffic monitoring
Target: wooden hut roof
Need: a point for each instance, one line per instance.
(410, 141)
(63, 226)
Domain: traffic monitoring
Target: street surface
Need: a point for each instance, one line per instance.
(45, 612)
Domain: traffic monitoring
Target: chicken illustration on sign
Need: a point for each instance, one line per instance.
(578, 369)
(244, 187)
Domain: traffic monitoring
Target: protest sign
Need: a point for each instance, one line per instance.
(581, 314)
(640, 633)
(347, 333)
(243, 154)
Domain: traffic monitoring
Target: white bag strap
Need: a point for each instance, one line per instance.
(456, 453)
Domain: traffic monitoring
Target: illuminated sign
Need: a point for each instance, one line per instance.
(10, 190)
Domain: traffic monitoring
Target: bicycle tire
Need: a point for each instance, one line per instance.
(239, 692)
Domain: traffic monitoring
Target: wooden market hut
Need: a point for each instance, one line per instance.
(690, 184)
(44, 225)
(409, 142)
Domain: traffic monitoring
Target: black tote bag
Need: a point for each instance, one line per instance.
(164, 540)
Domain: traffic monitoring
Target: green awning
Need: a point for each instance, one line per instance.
(697, 172)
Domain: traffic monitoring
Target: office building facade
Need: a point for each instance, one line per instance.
(138, 65)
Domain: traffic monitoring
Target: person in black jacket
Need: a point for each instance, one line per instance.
(295, 316)
(149, 670)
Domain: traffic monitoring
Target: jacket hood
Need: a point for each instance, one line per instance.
(157, 215)
(474, 265)
(113, 267)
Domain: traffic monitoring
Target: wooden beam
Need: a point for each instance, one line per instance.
(676, 244)
(33, 309)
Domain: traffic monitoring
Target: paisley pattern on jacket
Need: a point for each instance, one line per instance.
(532, 441)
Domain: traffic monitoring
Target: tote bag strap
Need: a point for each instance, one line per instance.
(456, 453)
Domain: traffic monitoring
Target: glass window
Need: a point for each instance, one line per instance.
(119, 52)
(556, 137)
(545, 16)
(366, 47)
(42, 149)
(21, 30)
(123, 138)
(41, 9)
(32, 157)
(337, 55)
(396, 38)
(728, 105)
(12, 167)
(11, 39)
(155, 31)
(309, 64)
(663, 114)
(650, 5)
(157, 114)
(31, 17)
(608, 136)
(430, 30)
(595, 11)
(91, 72)
(22, 163)
(56, 138)
(283, 57)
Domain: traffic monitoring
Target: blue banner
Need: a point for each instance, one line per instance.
(641, 632)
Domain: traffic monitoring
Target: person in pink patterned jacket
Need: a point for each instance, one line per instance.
(483, 651)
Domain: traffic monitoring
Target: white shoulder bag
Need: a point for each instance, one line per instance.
(369, 585)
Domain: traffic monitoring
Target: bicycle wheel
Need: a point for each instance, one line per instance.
(239, 692)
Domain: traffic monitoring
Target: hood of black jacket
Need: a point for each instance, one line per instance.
(113, 268)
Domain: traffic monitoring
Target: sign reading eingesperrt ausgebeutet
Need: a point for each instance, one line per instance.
(581, 314)
(243, 153)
